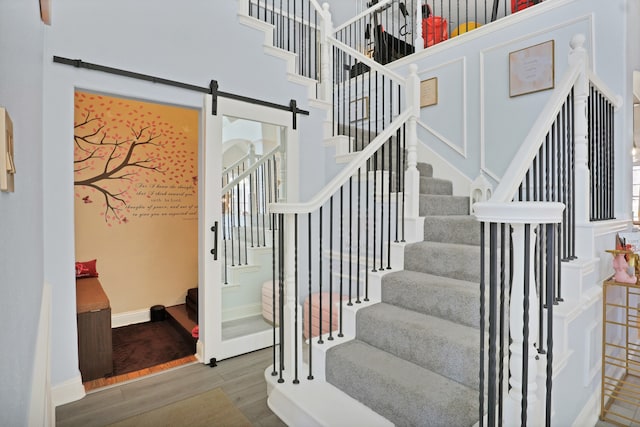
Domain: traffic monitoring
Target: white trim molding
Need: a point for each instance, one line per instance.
(68, 391)
(588, 18)
(430, 72)
(519, 212)
(42, 411)
(130, 317)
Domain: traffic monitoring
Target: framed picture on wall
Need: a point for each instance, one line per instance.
(531, 69)
(429, 92)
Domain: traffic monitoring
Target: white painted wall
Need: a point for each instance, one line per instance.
(192, 42)
(21, 255)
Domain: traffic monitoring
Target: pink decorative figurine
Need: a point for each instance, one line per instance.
(621, 267)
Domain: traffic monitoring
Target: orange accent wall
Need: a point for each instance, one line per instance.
(136, 197)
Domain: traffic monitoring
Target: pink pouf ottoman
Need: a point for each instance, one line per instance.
(315, 313)
(267, 302)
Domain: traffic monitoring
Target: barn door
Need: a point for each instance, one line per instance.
(244, 163)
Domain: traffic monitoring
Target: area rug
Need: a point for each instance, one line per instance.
(213, 408)
(143, 345)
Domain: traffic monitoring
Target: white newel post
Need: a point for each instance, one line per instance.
(412, 176)
(326, 75)
(252, 154)
(513, 403)
(290, 302)
(518, 215)
(418, 43)
(578, 56)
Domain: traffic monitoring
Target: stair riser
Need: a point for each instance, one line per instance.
(425, 169)
(435, 186)
(464, 230)
(462, 263)
(439, 205)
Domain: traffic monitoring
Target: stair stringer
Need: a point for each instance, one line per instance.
(248, 273)
(396, 251)
(313, 402)
(290, 58)
(343, 144)
(246, 280)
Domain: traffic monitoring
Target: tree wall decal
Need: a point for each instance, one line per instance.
(123, 145)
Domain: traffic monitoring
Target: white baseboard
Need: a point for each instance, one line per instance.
(42, 411)
(69, 391)
(590, 413)
(130, 317)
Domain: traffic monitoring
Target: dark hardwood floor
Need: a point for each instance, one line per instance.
(241, 378)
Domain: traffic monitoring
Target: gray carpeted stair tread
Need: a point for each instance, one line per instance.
(425, 169)
(444, 347)
(400, 391)
(435, 186)
(444, 259)
(451, 299)
(463, 229)
(435, 204)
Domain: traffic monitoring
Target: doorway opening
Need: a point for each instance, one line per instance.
(136, 230)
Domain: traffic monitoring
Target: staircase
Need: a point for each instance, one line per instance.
(409, 355)
(415, 356)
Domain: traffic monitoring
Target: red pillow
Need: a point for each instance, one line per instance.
(86, 269)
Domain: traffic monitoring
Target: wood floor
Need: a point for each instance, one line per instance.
(117, 379)
(241, 378)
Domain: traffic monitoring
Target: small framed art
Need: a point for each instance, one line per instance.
(531, 69)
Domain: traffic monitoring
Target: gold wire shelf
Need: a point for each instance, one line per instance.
(620, 397)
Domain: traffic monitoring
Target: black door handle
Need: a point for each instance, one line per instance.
(214, 251)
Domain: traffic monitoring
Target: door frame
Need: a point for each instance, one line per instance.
(210, 346)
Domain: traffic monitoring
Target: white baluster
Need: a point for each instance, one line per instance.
(578, 56)
(326, 68)
(290, 303)
(513, 402)
(412, 176)
(252, 154)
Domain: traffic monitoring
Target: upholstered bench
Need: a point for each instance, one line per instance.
(94, 329)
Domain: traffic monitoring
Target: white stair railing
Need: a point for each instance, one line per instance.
(540, 198)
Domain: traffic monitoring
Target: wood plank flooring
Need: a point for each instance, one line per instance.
(241, 378)
(116, 379)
